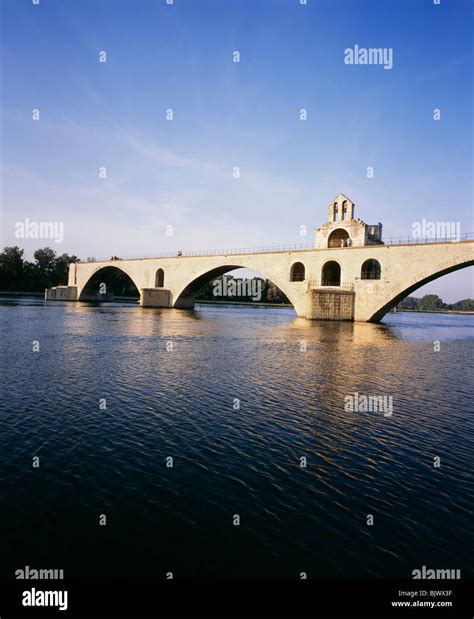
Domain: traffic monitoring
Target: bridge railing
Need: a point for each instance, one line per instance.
(410, 240)
(317, 284)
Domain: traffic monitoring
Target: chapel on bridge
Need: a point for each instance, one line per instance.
(343, 230)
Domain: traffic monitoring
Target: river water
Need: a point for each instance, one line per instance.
(237, 396)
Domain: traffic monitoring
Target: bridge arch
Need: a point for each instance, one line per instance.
(185, 297)
(392, 300)
(105, 274)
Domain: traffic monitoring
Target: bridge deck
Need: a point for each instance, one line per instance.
(278, 249)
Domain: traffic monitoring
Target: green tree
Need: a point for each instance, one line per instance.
(45, 265)
(430, 302)
(464, 304)
(30, 278)
(11, 268)
(408, 303)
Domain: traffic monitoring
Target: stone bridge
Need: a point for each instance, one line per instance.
(351, 274)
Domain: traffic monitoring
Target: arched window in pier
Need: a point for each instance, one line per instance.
(331, 274)
(338, 238)
(371, 269)
(160, 278)
(297, 272)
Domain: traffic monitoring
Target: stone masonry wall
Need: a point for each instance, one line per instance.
(330, 305)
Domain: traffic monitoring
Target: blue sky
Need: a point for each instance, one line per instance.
(226, 114)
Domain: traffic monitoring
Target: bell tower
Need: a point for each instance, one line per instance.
(341, 209)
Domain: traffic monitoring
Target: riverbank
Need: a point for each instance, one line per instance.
(433, 311)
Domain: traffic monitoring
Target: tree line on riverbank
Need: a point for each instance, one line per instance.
(20, 275)
(229, 288)
(434, 302)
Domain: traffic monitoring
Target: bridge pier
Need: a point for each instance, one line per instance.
(330, 304)
(61, 293)
(155, 297)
